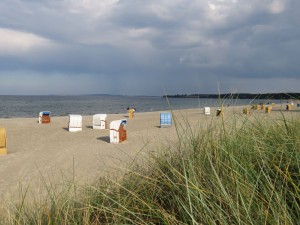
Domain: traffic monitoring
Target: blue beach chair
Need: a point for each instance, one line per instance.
(165, 119)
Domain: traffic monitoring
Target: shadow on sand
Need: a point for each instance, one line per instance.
(105, 139)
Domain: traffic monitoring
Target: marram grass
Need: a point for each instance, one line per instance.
(244, 174)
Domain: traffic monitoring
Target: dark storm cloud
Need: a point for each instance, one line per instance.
(144, 47)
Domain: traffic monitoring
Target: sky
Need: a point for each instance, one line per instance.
(149, 47)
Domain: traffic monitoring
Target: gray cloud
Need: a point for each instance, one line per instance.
(146, 47)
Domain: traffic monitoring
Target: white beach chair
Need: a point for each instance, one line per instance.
(75, 123)
(117, 132)
(44, 117)
(3, 142)
(99, 121)
(207, 110)
(165, 119)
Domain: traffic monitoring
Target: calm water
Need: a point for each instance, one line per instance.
(30, 106)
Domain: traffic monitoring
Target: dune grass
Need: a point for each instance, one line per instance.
(245, 173)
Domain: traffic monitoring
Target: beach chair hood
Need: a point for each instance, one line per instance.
(115, 125)
(97, 118)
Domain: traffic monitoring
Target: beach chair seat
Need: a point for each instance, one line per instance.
(44, 117)
(75, 123)
(3, 141)
(117, 131)
(99, 121)
(207, 110)
(165, 119)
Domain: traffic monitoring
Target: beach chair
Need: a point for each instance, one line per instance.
(75, 123)
(3, 142)
(165, 119)
(288, 107)
(99, 121)
(44, 117)
(117, 131)
(268, 109)
(131, 113)
(207, 110)
(246, 111)
(219, 112)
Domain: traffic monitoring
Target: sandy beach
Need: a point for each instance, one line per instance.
(39, 153)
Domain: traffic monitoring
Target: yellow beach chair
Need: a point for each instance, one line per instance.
(3, 142)
(246, 111)
(131, 113)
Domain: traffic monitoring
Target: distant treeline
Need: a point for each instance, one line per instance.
(239, 96)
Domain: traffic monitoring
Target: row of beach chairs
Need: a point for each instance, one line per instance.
(117, 127)
(117, 131)
(75, 124)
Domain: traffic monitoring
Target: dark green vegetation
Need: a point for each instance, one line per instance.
(282, 96)
(226, 174)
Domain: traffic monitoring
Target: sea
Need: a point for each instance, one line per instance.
(12, 106)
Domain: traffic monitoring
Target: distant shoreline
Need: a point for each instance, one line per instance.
(277, 96)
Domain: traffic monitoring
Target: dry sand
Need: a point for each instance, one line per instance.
(39, 153)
